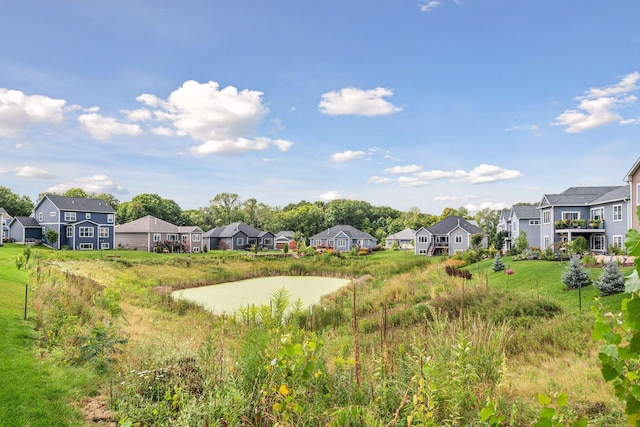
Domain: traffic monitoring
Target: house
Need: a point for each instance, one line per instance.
(5, 219)
(343, 238)
(633, 180)
(152, 234)
(513, 222)
(238, 236)
(448, 236)
(402, 239)
(602, 215)
(283, 238)
(81, 223)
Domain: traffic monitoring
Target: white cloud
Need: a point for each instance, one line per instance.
(533, 129)
(222, 120)
(18, 111)
(428, 6)
(102, 128)
(139, 115)
(98, 184)
(412, 181)
(379, 180)
(449, 198)
(29, 172)
(487, 205)
(347, 156)
(162, 131)
(598, 107)
(328, 196)
(404, 169)
(486, 173)
(358, 102)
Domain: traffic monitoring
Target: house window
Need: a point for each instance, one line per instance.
(422, 251)
(87, 216)
(341, 243)
(40, 216)
(52, 214)
(103, 232)
(597, 243)
(196, 249)
(617, 241)
(534, 222)
(570, 215)
(172, 237)
(85, 232)
(268, 241)
(546, 217)
(69, 216)
(423, 239)
(458, 239)
(104, 245)
(69, 231)
(240, 241)
(86, 246)
(157, 237)
(617, 212)
(195, 237)
(110, 218)
(547, 241)
(597, 213)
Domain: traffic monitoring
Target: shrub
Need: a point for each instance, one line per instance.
(498, 264)
(611, 280)
(575, 276)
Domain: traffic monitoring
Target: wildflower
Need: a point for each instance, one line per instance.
(284, 390)
(510, 272)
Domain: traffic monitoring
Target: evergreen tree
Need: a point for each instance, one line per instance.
(611, 280)
(498, 264)
(575, 276)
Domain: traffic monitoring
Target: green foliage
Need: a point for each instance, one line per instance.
(575, 276)
(52, 236)
(579, 245)
(498, 264)
(611, 280)
(521, 244)
(552, 414)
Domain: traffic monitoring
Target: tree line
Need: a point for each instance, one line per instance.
(303, 218)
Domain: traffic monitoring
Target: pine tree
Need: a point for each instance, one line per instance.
(498, 264)
(611, 280)
(575, 276)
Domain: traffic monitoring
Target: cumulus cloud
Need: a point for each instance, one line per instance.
(328, 196)
(353, 101)
(103, 128)
(379, 179)
(347, 156)
(450, 198)
(428, 6)
(29, 172)
(412, 181)
(18, 111)
(404, 169)
(139, 115)
(98, 184)
(414, 176)
(221, 120)
(599, 106)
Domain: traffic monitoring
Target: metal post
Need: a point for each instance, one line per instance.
(26, 296)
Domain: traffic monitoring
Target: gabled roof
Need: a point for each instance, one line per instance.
(233, 229)
(585, 196)
(406, 234)
(448, 224)
(3, 212)
(26, 221)
(189, 229)
(525, 212)
(285, 233)
(628, 177)
(147, 224)
(348, 230)
(65, 203)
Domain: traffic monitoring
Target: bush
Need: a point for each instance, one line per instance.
(611, 280)
(575, 275)
(498, 264)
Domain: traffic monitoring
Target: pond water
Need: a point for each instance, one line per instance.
(228, 297)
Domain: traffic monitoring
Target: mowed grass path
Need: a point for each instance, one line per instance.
(32, 391)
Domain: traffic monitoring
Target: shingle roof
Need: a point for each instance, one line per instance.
(232, 229)
(147, 224)
(446, 225)
(27, 221)
(526, 211)
(80, 204)
(348, 230)
(585, 196)
(406, 234)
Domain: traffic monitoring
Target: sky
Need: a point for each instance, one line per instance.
(422, 104)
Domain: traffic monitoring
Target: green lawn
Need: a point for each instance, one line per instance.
(32, 391)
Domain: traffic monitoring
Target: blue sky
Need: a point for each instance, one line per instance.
(401, 103)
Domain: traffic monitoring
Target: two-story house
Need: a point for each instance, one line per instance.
(343, 238)
(153, 234)
(633, 180)
(238, 236)
(448, 236)
(518, 220)
(81, 223)
(600, 214)
(5, 218)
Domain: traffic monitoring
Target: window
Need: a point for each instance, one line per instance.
(547, 241)
(570, 215)
(268, 241)
(85, 232)
(195, 237)
(87, 216)
(422, 251)
(69, 231)
(196, 249)
(341, 243)
(617, 241)
(240, 241)
(110, 218)
(157, 237)
(534, 222)
(104, 245)
(617, 212)
(40, 216)
(423, 239)
(458, 239)
(103, 232)
(69, 216)
(52, 214)
(597, 213)
(597, 243)
(172, 237)
(546, 217)
(86, 246)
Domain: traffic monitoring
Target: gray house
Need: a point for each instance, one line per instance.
(513, 222)
(152, 234)
(633, 179)
(5, 219)
(238, 236)
(452, 234)
(24, 229)
(602, 215)
(402, 239)
(343, 238)
(283, 238)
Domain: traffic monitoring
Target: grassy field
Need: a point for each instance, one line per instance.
(522, 334)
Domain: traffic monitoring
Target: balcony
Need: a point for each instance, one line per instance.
(592, 225)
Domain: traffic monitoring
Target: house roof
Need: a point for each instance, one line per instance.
(287, 234)
(3, 212)
(348, 230)
(585, 196)
(526, 211)
(147, 224)
(65, 203)
(446, 226)
(406, 234)
(26, 221)
(632, 171)
(233, 229)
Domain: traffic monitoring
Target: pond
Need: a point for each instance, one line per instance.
(228, 297)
